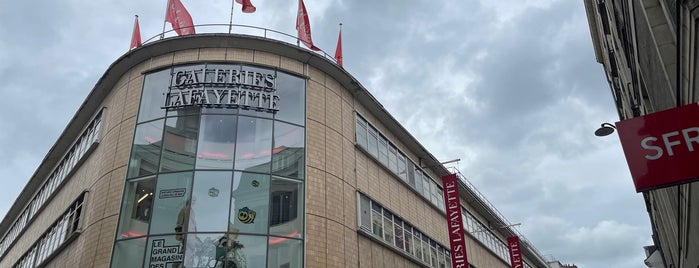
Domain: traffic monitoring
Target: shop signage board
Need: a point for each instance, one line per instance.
(457, 241)
(662, 149)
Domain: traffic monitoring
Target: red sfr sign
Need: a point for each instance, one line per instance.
(662, 149)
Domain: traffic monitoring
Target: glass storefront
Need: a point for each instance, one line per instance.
(216, 172)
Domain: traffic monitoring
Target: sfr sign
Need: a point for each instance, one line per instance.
(662, 148)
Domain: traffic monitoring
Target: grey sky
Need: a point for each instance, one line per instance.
(509, 86)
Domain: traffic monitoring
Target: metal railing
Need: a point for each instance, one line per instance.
(497, 213)
(241, 29)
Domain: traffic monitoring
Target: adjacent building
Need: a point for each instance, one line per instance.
(649, 53)
(226, 150)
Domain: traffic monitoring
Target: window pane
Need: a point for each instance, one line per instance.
(418, 180)
(145, 152)
(292, 98)
(383, 151)
(365, 213)
(411, 174)
(284, 252)
(288, 153)
(128, 253)
(373, 142)
(388, 226)
(402, 173)
(249, 203)
(180, 143)
(210, 196)
(170, 195)
(426, 187)
(398, 230)
(409, 239)
(361, 132)
(216, 142)
(376, 220)
(254, 145)
(155, 85)
(287, 199)
(136, 208)
(392, 159)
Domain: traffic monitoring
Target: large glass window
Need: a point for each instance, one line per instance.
(145, 153)
(216, 142)
(253, 152)
(171, 204)
(360, 128)
(155, 86)
(180, 143)
(250, 203)
(288, 153)
(283, 253)
(128, 253)
(286, 201)
(290, 90)
(210, 200)
(373, 142)
(137, 207)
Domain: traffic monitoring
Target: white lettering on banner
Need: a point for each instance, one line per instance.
(223, 88)
(669, 142)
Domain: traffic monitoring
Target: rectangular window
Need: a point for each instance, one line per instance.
(376, 220)
(399, 239)
(364, 213)
(426, 187)
(409, 239)
(361, 132)
(418, 180)
(372, 146)
(411, 174)
(383, 150)
(388, 223)
(402, 173)
(392, 159)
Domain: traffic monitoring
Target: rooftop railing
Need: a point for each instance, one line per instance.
(241, 29)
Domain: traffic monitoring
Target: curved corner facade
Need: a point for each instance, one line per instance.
(236, 151)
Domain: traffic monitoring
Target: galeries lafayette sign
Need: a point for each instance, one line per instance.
(225, 88)
(662, 149)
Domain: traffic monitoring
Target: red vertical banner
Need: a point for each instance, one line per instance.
(457, 240)
(515, 252)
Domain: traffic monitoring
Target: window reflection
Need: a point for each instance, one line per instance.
(283, 253)
(249, 211)
(253, 152)
(216, 142)
(145, 153)
(171, 195)
(288, 153)
(291, 92)
(286, 217)
(210, 195)
(154, 88)
(136, 208)
(180, 143)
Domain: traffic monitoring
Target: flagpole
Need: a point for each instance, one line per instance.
(162, 35)
(230, 23)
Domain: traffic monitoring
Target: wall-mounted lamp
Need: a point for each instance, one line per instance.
(605, 130)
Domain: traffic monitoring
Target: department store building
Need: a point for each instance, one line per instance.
(225, 150)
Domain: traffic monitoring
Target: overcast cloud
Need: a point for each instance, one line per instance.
(511, 87)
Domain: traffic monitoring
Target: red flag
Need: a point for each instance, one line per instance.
(304, 27)
(136, 36)
(247, 6)
(338, 49)
(179, 18)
